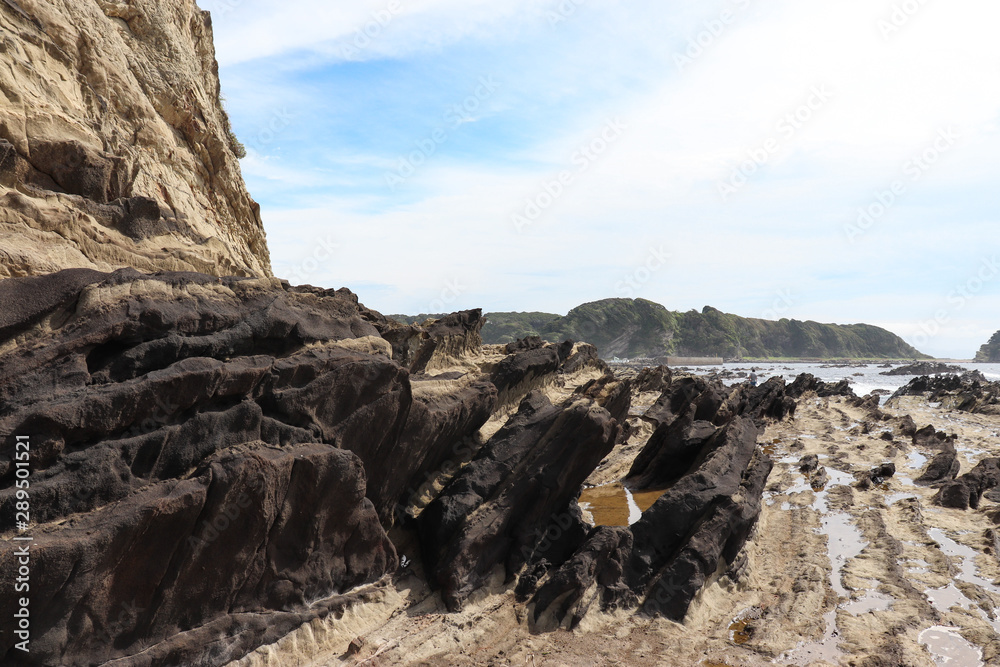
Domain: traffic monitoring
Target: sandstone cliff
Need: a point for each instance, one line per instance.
(114, 148)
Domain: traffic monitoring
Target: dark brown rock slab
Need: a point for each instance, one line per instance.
(806, 382)
(966, 491)
(159, 554)
(500, 503)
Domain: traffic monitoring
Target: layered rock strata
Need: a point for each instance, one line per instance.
(222, 457)
(115, 150)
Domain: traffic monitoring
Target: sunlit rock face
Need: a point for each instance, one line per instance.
(115, 150)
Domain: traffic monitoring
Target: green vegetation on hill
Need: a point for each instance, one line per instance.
(633, 328)
(990, 352)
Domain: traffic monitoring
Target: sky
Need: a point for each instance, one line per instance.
(832, 161)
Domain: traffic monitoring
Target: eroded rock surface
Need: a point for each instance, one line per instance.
(115, 150)
(967, 392)
(222, 457)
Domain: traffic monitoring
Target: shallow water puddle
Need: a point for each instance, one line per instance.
(615, 505)
(968, 572)
(894, 498)
(919, 566)
(738, 632)
(872, 601)
(947, 597)
(825, 649)
(916, 461)
(844, 542)
(950, 648)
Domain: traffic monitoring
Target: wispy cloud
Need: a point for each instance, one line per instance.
(697, 117)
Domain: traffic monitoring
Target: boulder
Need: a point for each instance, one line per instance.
(806, 382)
(942, 468)
(966, 491)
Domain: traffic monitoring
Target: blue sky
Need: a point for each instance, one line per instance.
(534, 155)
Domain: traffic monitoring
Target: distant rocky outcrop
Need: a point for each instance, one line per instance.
(989, 353)
(637, 328)
(807, 382)
(115, 150)
(924, 368)
(968, 392)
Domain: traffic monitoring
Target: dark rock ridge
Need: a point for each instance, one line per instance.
(214, 455)
(966, 491)
(690, 414)
(968, 392)
(662, 561)
(924, 368)
(808, 382)
(494, 511)
(704, 452)
(216, 461)
(943, 467)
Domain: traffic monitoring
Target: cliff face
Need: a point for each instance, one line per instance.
(114, 147)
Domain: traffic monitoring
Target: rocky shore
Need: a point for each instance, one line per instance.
(204, 465)
(224, 458)
(223, 468)
(857, 558)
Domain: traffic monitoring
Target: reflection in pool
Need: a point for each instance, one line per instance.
(614, 505)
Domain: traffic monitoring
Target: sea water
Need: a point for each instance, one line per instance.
(864, 378)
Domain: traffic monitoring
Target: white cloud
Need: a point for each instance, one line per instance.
(358, 30)
(658, 183)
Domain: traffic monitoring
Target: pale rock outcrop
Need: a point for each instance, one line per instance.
(114, 147)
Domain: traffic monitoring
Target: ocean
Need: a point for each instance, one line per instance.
(864, 378)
